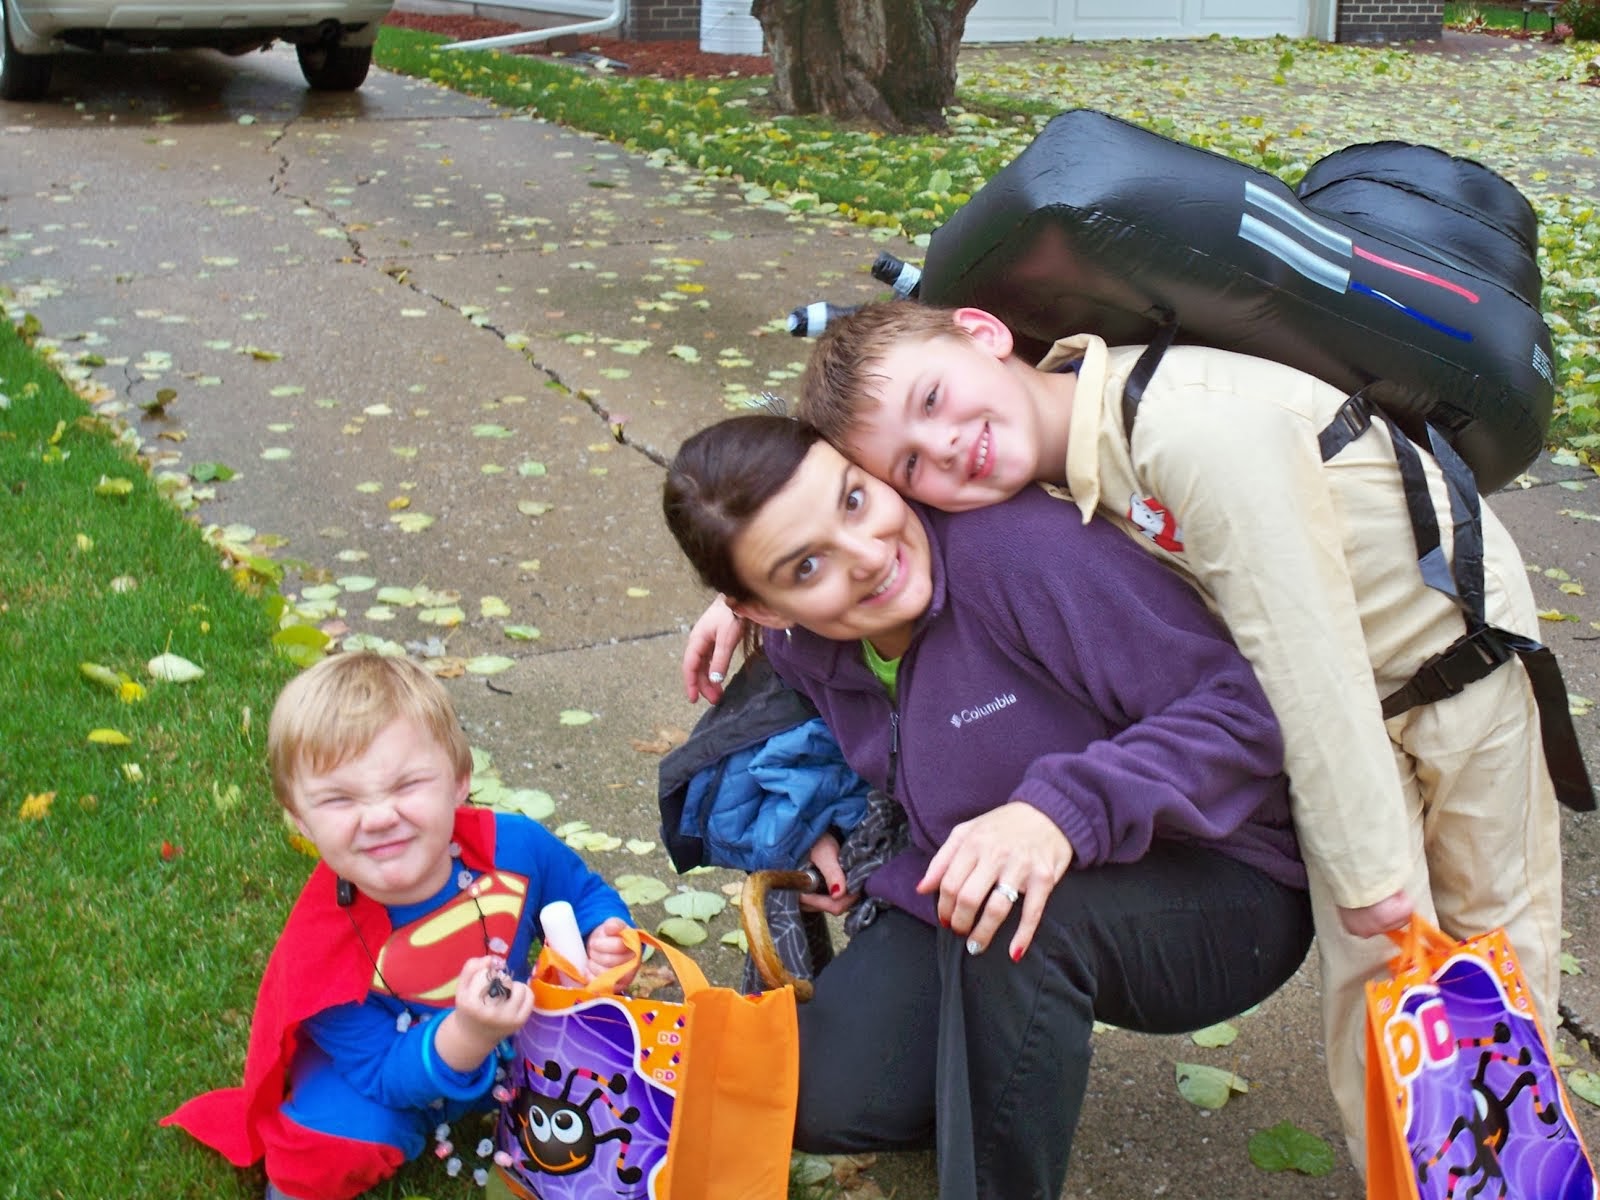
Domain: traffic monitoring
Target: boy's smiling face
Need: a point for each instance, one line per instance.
(950, 420)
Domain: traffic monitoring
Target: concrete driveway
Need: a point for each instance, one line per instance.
(405, 304)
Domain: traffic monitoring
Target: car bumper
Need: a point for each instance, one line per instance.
(38, 28)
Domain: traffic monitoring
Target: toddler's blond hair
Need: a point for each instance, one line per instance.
(331, 712)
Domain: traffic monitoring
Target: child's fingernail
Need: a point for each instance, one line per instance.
(973, 947)
(835, 889)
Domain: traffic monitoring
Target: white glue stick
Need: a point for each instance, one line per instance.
(560, 925)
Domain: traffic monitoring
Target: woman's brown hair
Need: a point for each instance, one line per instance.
(720, 479)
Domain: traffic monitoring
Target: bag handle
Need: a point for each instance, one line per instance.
(606, 982)
(1420, 938)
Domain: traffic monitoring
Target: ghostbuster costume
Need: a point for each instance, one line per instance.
(1414, 745)
(342, 1083)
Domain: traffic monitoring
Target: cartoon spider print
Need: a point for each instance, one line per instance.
(1489, 1122)
(558, 1136)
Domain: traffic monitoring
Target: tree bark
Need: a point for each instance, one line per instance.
(889, 62)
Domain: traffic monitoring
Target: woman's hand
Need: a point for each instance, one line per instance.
(1010, 855)
(712, 642)
(825, 857)
(607, 949)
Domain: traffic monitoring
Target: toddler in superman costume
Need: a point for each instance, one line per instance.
(387, 995)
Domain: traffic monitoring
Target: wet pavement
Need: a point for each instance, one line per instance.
(447, 350)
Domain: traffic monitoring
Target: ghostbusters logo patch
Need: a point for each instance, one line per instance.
(1152, 519)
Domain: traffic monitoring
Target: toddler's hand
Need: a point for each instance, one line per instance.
(1392, 912)
(706, 658)
(482, 1017)
(607, 949)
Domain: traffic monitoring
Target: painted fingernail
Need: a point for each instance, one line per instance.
(944, 922)
(1016, 955)
(835, 889)
(973, 947)
(714, 676)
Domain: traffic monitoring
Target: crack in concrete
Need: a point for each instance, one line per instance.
(401, 276)
(1588, 1036)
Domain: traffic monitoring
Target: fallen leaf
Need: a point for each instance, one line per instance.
(683, 931)
(1212, 1036)
(36, 806)
(640, 889)
(1207, 1087)
(173, 668)
(664, 739)
(109, 737)
(698, 906)
(489, 664)
(1286, 1147)
(575, 716)
(1585, 1084)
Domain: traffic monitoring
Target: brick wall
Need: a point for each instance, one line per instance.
(1389, 20)
(662, 20)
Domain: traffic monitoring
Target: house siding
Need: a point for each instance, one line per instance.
(662, 21)
(1389, 20)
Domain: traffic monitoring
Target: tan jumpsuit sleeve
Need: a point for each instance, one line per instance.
(1262, 535)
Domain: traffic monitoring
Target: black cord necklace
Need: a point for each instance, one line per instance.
(499, 978)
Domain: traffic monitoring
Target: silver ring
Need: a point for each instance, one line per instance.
(1009, 892)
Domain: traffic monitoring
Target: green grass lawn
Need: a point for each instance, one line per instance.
(1494, 16)
(142, 881)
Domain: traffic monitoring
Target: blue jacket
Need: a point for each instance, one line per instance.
(764, 806)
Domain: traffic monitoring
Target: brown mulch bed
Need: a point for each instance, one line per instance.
(663, 60)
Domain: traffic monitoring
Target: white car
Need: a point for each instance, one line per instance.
(334, 38)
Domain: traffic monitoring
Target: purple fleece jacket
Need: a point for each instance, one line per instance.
(1060, 665)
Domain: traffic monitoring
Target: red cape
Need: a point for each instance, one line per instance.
(317, 963)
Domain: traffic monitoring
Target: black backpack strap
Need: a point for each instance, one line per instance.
(1144, 369)
(1483, 648)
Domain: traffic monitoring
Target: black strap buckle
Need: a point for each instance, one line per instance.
(1466, 660)
(1352, 420)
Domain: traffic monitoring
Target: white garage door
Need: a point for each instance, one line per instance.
(1023, 20)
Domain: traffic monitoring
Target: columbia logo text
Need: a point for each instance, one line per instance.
(968, 715)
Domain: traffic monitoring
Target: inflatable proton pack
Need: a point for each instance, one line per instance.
(1395, 269)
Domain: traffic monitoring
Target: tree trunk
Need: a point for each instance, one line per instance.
(890, 62)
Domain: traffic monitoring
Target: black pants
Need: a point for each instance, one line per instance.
(910, 1042)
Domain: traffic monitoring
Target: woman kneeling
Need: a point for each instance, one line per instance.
(1099, 826)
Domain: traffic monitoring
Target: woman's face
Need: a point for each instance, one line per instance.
(838, 552)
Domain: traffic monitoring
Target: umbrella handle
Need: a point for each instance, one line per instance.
(753, 916)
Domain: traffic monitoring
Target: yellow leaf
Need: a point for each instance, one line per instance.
(130, 692)
(104, 676)
(304, 844)
(109, 737)
(1573, 589)
(36, 807)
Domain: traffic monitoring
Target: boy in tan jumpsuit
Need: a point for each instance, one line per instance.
(1446, 808)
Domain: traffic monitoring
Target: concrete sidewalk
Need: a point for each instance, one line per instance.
(406, 304)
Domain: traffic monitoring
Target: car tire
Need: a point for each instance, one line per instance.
(334, 68)
(22, 76)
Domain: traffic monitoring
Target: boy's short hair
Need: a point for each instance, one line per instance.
(846, 358)
(333, 711)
